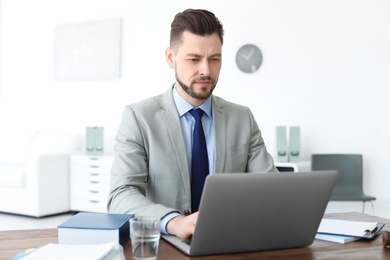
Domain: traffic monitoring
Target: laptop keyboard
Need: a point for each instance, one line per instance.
(187, 241)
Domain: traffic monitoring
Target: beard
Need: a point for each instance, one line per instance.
(190, 90)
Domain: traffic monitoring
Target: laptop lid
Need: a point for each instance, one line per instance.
(256, 212)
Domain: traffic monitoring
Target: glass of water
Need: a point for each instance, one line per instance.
(145, 236)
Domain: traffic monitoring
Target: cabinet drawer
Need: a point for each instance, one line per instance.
(90, 176)
(80, 168)
(89, 190)
(92, 160)
(89, 205)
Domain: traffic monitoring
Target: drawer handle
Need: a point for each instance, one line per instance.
(94, 174)
(94, 201)
(94, 166)
(94, 182)
(94, 191)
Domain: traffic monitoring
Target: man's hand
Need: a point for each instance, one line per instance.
(183, 226)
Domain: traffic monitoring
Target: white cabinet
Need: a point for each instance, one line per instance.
(89, 182)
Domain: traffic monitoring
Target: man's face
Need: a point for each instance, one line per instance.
(197, 63)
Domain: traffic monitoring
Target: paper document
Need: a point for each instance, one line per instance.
(336, 238)
(349, 228)
(106, 251)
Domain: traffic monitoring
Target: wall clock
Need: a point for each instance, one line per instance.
(249, 58)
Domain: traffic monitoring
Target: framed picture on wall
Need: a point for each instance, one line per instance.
(88, 51)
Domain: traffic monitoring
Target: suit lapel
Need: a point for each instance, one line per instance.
(172, 123)
(220, 134)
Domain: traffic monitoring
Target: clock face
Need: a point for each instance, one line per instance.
(249, 58)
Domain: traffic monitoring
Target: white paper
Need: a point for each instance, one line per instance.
(336, 238)
(85, 252)
(345, 227)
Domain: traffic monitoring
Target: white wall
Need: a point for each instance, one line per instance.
(326, 68)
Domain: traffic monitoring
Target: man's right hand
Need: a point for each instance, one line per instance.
(183, 226)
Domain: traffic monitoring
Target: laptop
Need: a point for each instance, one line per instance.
(241, 212)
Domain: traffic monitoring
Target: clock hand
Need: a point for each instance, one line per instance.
(247, 57)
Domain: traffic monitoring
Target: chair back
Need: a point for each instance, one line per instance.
(349, 185)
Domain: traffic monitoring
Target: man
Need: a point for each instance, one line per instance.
(151, 173)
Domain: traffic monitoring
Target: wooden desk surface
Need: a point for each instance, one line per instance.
(14, 241)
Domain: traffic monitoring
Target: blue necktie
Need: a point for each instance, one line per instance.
(200, 162)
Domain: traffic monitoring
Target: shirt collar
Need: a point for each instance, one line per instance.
(183, 106)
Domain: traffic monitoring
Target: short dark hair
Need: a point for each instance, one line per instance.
(197, 21)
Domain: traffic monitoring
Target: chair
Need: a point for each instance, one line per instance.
(349, 184)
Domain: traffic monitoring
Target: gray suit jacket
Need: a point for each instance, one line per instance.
(150, 174)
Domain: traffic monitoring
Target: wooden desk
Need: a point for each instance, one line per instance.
(12, 242)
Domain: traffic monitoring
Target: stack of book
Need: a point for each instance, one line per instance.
(95, 228)
(86, 236)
